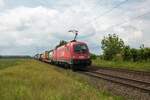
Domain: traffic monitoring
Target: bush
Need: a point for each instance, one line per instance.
(93, 56)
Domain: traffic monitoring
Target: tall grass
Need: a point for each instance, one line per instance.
(4, 63)
(141, 66)
(33, 80)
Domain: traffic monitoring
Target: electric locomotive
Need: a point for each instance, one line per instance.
(73, 54)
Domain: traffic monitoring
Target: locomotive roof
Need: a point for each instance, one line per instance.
(77, 42)
(71, 42)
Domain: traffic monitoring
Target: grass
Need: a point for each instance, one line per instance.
(28, 79)
(140, 66)
(4, 63)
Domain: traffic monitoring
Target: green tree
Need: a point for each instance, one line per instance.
(62, 42)
(93, 56)
(146, 54)
(127, 53)
(112, 46)
(134, 54)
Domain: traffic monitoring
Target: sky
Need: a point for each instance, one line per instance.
(28, 27)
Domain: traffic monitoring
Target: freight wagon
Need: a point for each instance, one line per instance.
(37, 56)
(47, 56)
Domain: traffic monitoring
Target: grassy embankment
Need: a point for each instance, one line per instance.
(140, 66)
(24, 79)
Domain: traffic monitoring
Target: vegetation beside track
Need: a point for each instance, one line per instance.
(4, 63)
(26, 79)
(139, 66)
(116, 54)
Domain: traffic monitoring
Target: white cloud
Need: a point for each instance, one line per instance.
(40, 26)
(25, 26)
(2, 3)
(25, 29)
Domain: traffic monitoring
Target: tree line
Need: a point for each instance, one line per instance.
(115, 49)
(17, 56)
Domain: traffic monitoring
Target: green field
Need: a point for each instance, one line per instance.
(26, 79)
(140, 66)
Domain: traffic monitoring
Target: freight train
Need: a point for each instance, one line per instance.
(74, 55)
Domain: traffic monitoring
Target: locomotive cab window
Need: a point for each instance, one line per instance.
(80, 48)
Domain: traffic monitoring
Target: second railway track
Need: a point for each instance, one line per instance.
(134, 83)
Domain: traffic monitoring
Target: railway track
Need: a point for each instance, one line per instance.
(134, 83)
(130, 82)
(93, 67)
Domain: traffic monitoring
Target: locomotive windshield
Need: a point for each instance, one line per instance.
(80, 48)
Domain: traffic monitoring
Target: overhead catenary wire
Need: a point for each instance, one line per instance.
(134, 18)
(44, 2)
(103, 14)
(110, 10)
(107, 12)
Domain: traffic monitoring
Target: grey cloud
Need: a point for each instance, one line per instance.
(27, 30)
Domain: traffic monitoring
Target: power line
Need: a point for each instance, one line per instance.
(103, 14)
(119, 24)
(42, 3)
(110, 10)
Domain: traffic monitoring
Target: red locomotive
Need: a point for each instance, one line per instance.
(73, 54)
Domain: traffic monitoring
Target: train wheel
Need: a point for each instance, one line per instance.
(73, 67)
(66, 66)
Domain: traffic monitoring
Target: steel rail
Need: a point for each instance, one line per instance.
(124, 81)
(122, 70)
